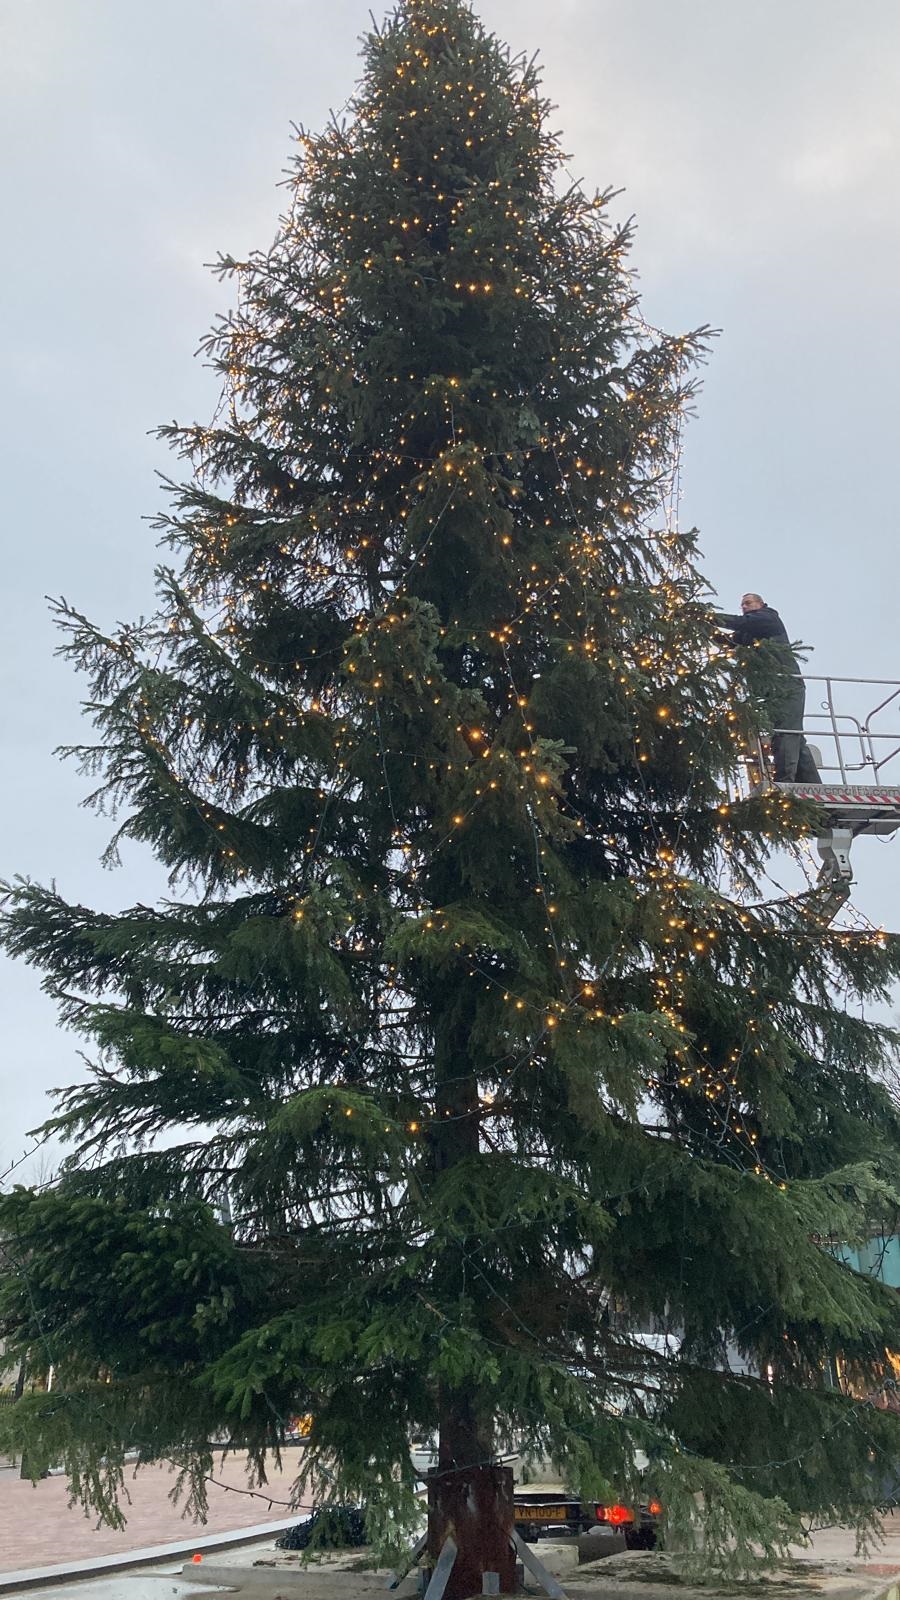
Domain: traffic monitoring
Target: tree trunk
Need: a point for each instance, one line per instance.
(469, 1498)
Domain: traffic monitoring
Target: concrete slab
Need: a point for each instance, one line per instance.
(134, 1586)
(636, 1575)
(643, 1575)
(315, 1582)
(253, 1580)
(829, 1570)
(28, 1579)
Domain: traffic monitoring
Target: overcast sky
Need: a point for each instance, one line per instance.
(758, 145)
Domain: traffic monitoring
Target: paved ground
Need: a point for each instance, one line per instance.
(829, 1571)
(38, 1528)
(835, 1571)
(838, 1544)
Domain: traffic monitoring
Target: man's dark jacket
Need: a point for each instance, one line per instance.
(764, 623)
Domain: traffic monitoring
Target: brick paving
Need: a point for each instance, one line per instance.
(39, 1528)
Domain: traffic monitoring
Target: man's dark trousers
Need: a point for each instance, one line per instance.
(790, 751)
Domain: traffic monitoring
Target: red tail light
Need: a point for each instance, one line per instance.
(614, 1515)
(654, 1508)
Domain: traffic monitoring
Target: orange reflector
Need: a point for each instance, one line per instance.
(196, 1558)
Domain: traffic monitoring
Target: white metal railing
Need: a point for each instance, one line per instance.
(861, 747)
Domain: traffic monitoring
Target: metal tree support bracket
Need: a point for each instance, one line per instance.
(441, 1574)
(412, 1557)
(442, 1571)
(537, 1569)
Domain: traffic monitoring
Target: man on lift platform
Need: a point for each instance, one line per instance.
(790, 751)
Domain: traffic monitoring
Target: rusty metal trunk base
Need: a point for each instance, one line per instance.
(474, 1507)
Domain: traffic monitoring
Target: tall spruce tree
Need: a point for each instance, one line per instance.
(463, 997)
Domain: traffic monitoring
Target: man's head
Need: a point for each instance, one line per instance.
(752, 602)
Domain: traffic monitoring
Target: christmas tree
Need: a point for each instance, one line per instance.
(462, 1049)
